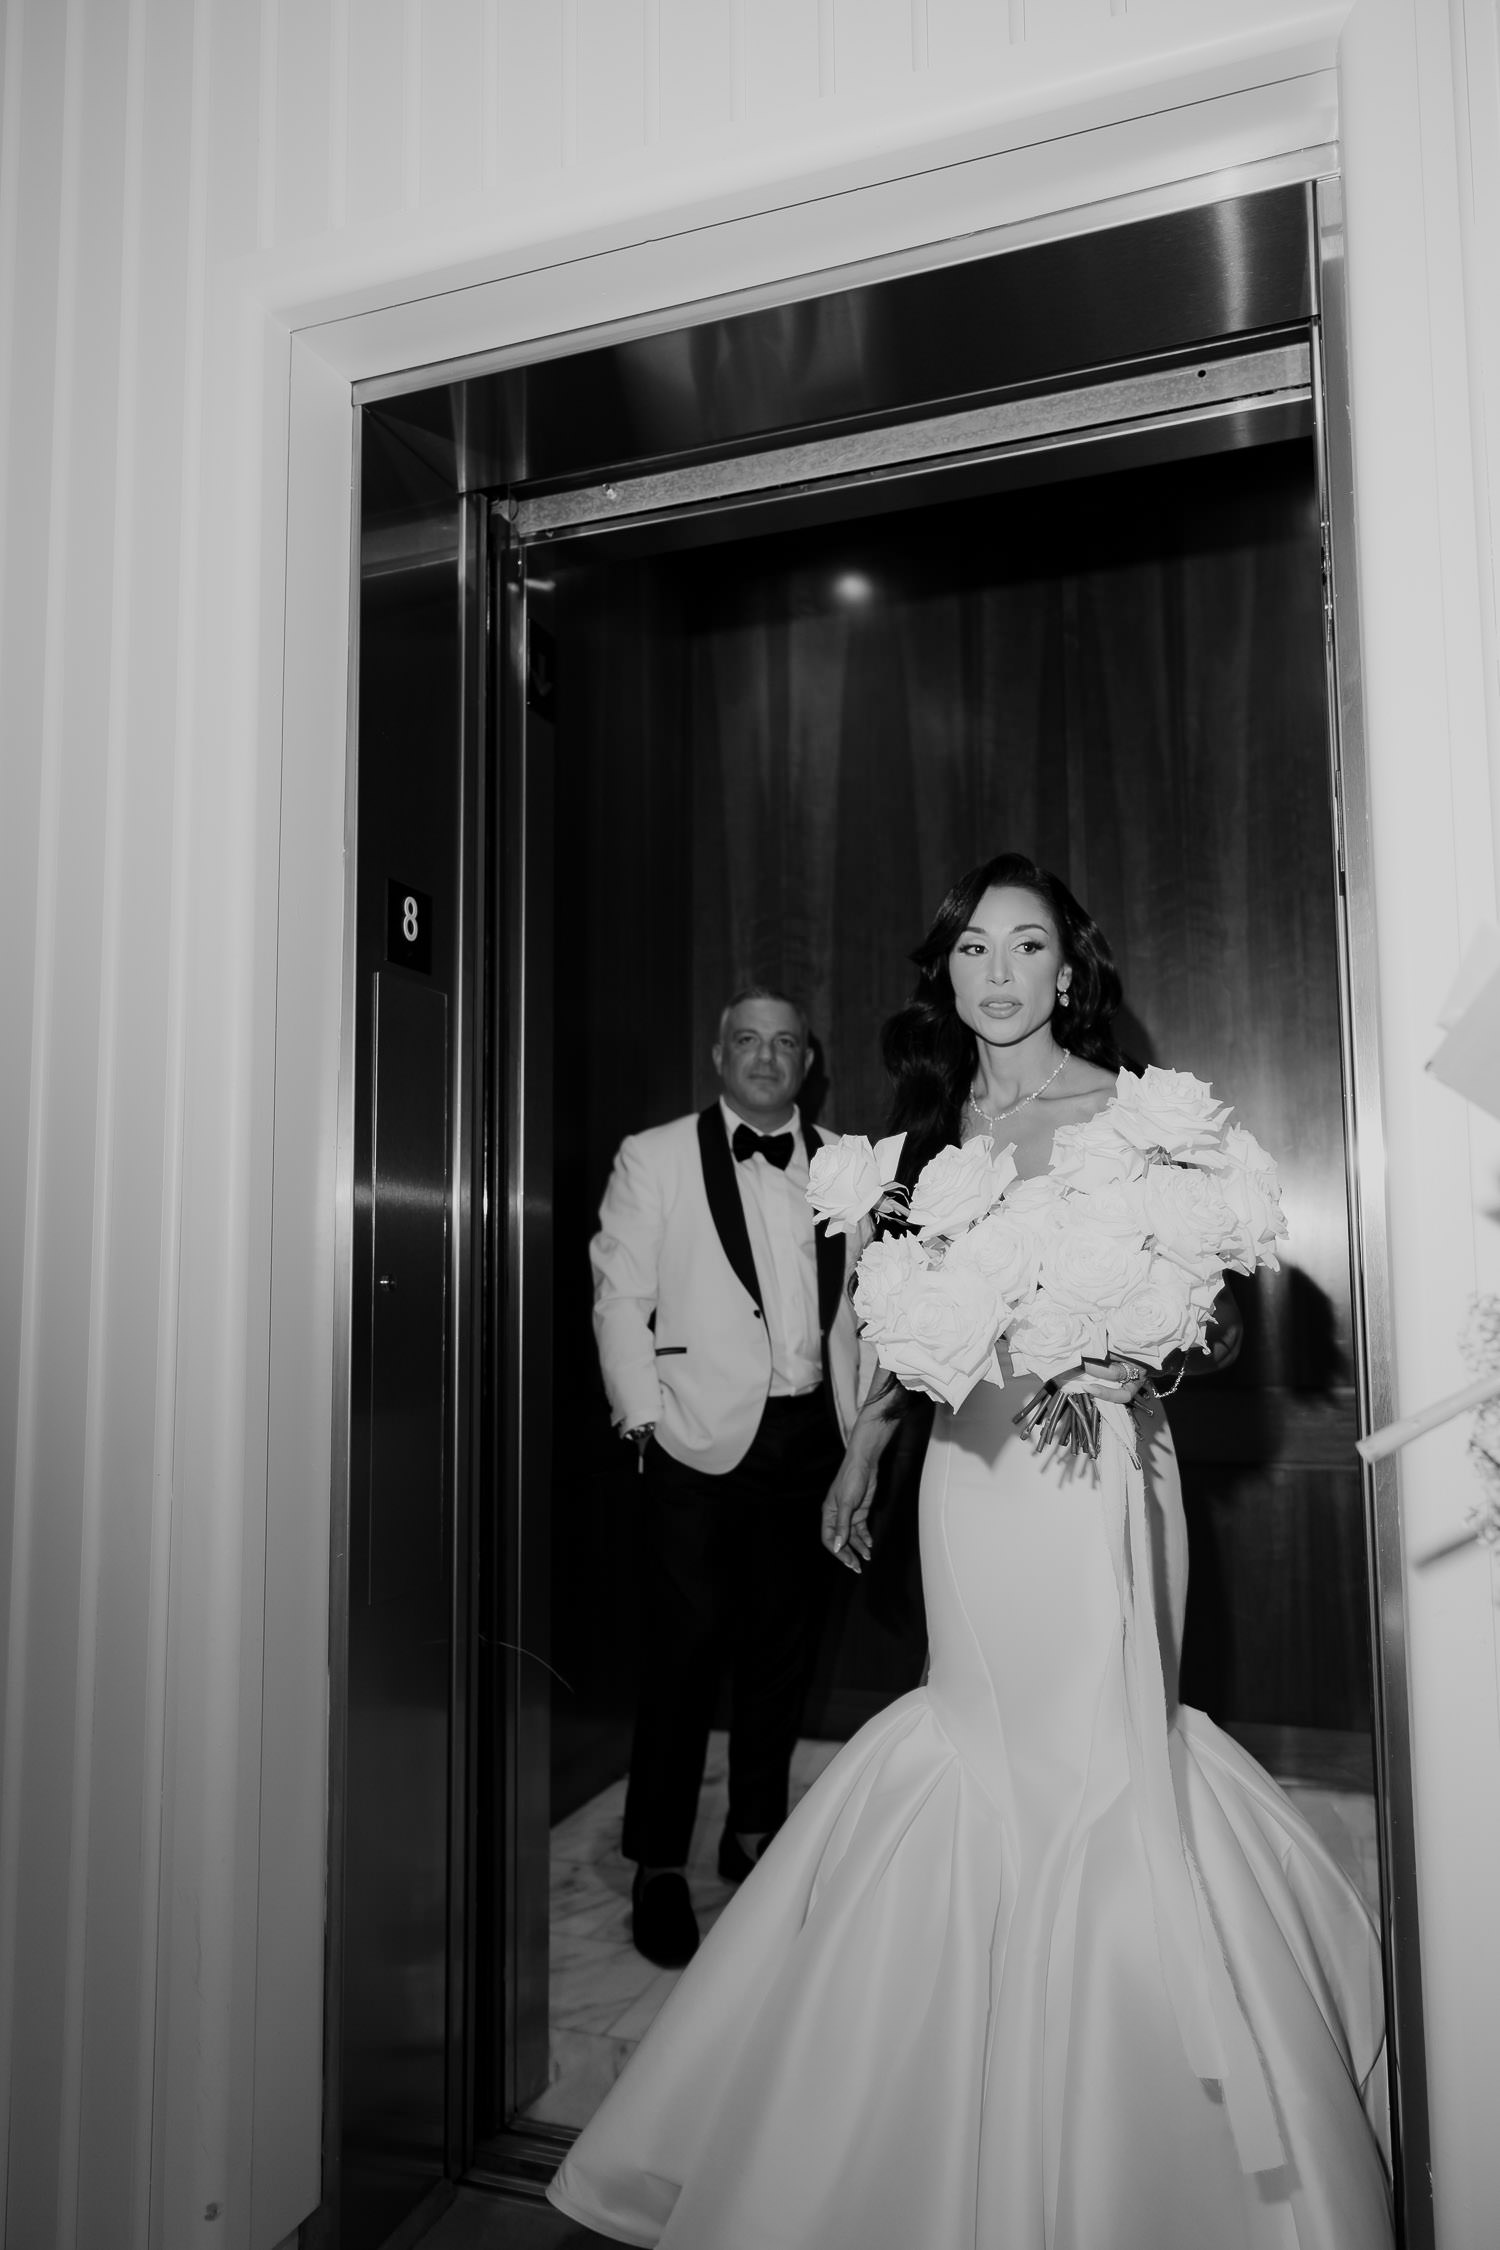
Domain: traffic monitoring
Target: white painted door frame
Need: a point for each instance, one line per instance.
(308, 337)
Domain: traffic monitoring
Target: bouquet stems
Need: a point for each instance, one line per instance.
(1057, 1417)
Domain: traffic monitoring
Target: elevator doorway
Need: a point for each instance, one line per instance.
(779, 754)
(744, 713)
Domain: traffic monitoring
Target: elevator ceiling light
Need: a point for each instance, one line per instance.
(852, 586)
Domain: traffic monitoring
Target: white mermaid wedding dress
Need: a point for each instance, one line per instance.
(1043, 1961)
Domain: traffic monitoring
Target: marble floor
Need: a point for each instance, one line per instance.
(604, 1994)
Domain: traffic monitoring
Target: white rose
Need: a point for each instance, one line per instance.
(1257, 1207)
(1191, 1219)
(882, 1273)
(1168, 1109)
(1089, 1270)
(959, 1186)
(1037, 1204)
(847, 1178)
(1006, 1252)
(1118, 1207)
(1242, 1148)
(1050, 1338)
(1094, 1154)
(941, 1331)
(1248, 1181)
(1163, 1315)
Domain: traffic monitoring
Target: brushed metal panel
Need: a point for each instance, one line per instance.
(961, 333)
(1234, 426)
(1369, 1235)
(525, 1106)
(393, 1997)
(394, 1706)
(1275, 373)
(408, 1313)
(466, 1400)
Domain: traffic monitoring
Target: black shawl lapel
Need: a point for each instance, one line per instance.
(724, 1198)
(830, 1252)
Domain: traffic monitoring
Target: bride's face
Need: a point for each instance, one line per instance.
(1007, 967)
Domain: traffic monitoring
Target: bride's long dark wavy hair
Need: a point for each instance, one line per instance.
(932, 1055)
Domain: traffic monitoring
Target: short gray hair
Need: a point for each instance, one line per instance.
(763, 992)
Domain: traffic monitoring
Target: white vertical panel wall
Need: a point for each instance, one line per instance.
(169, 170)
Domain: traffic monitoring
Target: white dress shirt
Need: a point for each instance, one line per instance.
(780, 1222)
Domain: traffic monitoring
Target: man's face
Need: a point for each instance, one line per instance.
(762, 1060)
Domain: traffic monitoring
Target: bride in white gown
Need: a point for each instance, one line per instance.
(1043, 1961)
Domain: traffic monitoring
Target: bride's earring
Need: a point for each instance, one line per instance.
(1062, 997)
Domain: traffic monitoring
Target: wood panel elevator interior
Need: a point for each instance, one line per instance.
(778, 754)
(628, 766)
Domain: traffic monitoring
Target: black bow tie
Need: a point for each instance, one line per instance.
(776, 1148)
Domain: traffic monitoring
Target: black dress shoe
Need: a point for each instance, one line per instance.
(663, 1925)
(735, 1862)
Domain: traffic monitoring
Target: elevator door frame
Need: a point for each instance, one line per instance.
(520, 1220)
(436, 551)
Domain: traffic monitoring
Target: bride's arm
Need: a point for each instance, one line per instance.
(846, 1511)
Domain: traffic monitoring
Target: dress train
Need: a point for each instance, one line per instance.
(1043, 1961)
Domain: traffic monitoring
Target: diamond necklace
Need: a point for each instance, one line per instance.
(999, 1117)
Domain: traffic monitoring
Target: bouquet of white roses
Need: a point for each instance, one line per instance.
(1117, 1252)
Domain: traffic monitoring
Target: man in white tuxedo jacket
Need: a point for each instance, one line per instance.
(730, 1355)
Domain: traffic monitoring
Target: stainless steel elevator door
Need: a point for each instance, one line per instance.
(398, 1752)
(395, 2025)
(408, 1310)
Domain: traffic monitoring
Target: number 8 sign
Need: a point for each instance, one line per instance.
(408, 926)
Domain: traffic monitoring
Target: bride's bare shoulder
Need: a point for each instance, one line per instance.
(1081, 1092)
(1088, 1084)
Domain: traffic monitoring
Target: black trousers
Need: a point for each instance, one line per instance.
(733, 1574)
